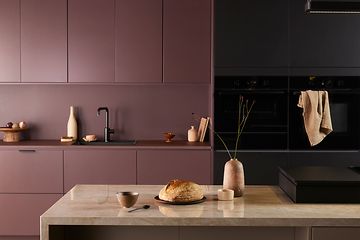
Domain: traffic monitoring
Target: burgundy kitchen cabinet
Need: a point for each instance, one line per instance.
(160, 166)
(20, 213)
(43, 40)
(138, 41)
(187, 41)
(31, 171)
(99, 166)
(91, 40)
(30, 182)
(9, 41)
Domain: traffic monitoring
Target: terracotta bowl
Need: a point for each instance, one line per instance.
(127, 199)
(168, 136)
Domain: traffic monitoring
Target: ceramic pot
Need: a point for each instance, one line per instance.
(234, 177)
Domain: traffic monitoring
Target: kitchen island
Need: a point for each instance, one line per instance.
(265, 212)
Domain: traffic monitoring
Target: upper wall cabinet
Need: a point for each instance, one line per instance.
(91, 40)
(187, 41)
(251, 33)
(43, 40)
(323, 40)
(10, 41)
(138, 39)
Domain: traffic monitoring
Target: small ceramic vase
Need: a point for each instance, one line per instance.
(192, 134)
(234, 177)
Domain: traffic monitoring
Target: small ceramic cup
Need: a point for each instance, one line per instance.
(127, 199)
(225, 194)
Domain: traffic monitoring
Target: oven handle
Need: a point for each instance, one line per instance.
(344, 91)
(250, 91)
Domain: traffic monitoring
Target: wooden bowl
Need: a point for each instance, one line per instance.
(12, 134)
(168, 136)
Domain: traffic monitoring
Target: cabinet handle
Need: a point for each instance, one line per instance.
(27, 150)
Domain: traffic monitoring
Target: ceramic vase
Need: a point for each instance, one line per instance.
(234, 177)
(72, 124)
(192, 134)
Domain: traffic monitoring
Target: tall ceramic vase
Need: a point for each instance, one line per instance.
(234, 177)
(72, 124)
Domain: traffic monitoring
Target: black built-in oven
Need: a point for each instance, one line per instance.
(276, 122)
(267, 125)
(344, 108)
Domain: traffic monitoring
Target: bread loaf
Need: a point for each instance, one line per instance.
(181, 191)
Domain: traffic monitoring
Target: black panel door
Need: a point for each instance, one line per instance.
(251, 33)
(323, 40)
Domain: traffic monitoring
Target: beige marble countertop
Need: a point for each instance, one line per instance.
(260, 206)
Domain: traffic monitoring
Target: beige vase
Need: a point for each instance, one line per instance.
(234, 177)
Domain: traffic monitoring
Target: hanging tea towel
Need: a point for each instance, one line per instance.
(316, 113)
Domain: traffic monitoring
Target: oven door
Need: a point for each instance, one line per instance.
(345, 121)
(266, 127)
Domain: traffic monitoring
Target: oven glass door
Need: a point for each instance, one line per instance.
(266, 127)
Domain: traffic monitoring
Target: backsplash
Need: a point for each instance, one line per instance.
(136, 112)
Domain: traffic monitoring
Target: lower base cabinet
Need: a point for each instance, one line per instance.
(89, 166)
(160, 166)
(20, 213)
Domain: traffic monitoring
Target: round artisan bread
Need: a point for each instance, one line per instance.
(181, 191)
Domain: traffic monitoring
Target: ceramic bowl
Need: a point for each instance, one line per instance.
(127, 199)
(168, 136)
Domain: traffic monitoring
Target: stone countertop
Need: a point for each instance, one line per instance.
(260, 206)
(140, 144)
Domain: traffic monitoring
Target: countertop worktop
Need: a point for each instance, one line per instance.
(140, 144)
(261, 206)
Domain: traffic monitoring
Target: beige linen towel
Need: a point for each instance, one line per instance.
(316, 113)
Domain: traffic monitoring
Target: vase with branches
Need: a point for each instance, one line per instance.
(233, 170)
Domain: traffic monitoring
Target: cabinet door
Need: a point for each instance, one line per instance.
(160, 166)
(251, 33)
(43, 41)
(187, 41)
(91, 40)
(30, 171)
(99, 167)
(9, 41)
(20, 213)
(323, 40)
(138, 41)
(335, 233)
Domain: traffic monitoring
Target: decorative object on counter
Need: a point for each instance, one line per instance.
(9, 125)
(168, 136)
(192, 134)
(225, 194)
(66, 139)
(15, 126)
(22, 124)
(12, 134)
(72, 124)
(90, 138)
(234, 171)
(127, 199)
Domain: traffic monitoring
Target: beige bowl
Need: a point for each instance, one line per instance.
(127, 199)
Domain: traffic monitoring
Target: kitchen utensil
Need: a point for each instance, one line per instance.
(143, 207)
(127, 199)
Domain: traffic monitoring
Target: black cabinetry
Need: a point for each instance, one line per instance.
(272, 35)
(251, 33)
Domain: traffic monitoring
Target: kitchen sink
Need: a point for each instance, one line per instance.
(111, 143)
